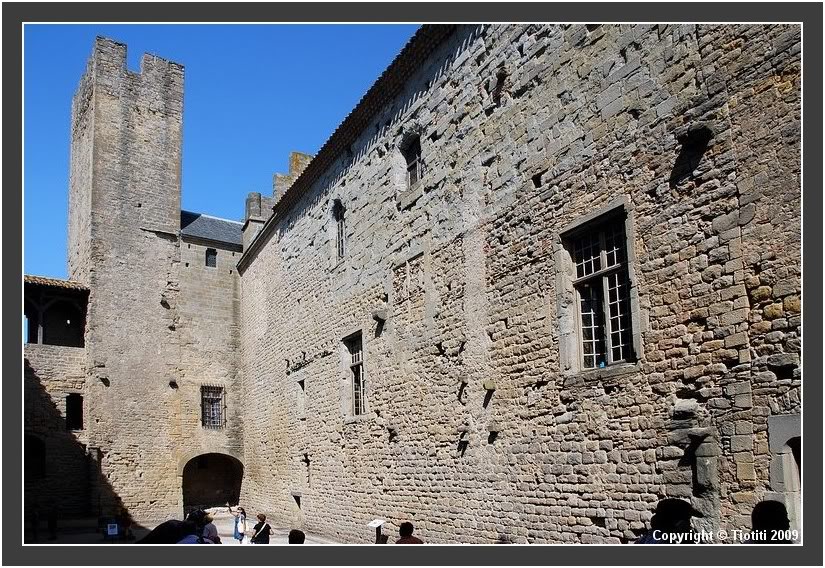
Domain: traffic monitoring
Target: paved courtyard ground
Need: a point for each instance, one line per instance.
(83, 532)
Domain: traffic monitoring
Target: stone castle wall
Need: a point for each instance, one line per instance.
(478, 429)
(52, 372)
(480, 425)
(150, 333)
(207, 325)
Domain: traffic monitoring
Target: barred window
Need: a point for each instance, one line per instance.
(212, 407)
(355, 350)
(415, 166)
(211, 257)
(602, 288)
(338, 216)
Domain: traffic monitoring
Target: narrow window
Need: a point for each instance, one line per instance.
(356, 366)
(301, 400)
(602, 288)
(338, 216)
(212, 414)
(74, 412)
(415, 166)
(211, 258)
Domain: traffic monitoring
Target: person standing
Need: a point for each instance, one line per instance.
(240, 523)
(261, 531)
(201, 519)
(124, 521)
(210, 531)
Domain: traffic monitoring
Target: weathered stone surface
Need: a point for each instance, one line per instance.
(762, 293)
(773, 311)
(522, 134)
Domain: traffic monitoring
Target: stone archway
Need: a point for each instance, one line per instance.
(785, 440)
(211, 480)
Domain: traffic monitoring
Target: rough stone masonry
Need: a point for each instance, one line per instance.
(541, 277)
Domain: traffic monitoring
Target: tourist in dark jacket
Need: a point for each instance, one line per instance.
(261, 531)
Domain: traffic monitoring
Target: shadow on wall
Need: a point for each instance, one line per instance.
(63, 481)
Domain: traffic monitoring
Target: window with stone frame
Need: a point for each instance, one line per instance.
(415, 165)
(340, 228)
(212, 407)
(601, 285)
(211, 258)
(355, 351)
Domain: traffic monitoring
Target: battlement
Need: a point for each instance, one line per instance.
(257, 211)
(125, 154)
(108, 54)
(106, 71)
(298, 161)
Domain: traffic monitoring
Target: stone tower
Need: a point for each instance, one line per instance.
(124, 221)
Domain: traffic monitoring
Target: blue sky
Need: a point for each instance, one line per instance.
(253, 93)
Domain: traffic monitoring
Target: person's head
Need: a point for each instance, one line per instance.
(406, 529)
(199, 517)
(241, 511)
(770, 516)
(261, 517)
(296, 537)
(673, 515)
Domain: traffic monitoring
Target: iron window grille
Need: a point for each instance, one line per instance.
(356, 366)
(212, 407)
(211, 258)
(415, 165)
(602, 288)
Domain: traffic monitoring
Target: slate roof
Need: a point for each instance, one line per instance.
(53, 282)
(210, 228)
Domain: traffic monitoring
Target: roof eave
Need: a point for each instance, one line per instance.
(385, 88)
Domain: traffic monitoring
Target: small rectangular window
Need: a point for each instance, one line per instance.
(74, 412)
(415, 166)
(211, 258)
(602, 288)
(212, 404)
(355, 349)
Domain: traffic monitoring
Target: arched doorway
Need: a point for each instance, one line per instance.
(791, 457)
(784, 436)
(211, 480)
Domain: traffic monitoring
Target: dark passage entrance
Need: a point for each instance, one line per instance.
(211, 480)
